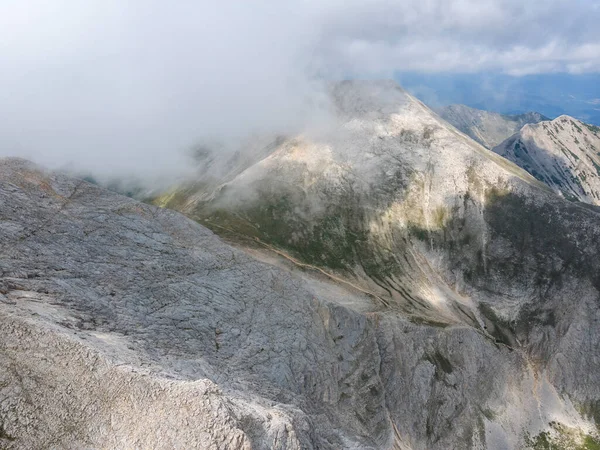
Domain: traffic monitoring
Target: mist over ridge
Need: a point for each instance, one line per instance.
(125, 89)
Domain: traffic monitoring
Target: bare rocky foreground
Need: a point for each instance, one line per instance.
(129, 326)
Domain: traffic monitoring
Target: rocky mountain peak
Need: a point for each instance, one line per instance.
(564, 153)
(356, 97)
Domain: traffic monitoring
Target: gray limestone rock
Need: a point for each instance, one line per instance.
(563, 153)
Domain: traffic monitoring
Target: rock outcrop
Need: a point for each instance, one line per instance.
(495, 274)
(486, 127)
(563, 153)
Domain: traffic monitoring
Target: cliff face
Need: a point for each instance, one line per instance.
(487, 128)
(392, 284)
(563, 153)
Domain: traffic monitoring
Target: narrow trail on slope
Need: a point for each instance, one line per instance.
(304, 265)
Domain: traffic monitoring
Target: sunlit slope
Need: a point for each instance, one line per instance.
(563, 153)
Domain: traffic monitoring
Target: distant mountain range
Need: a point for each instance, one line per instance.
(563, 153)
(487, 128)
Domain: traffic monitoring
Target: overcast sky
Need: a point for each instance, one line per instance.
(122, 86)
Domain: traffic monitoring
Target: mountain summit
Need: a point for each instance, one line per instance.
(389, 173)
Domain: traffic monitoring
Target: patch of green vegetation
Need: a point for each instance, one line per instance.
(429, 322)
(540, 442)
(419, 232)
(335, 235)
(329, 241)
(439, 361)
(573, 155)
(577, 127)
(561, 437)
(500, 329)
(596, 166)
(488, 413)
(174, 199)
(591, 409)
(4, 435)
(440, 216)
(591, 443)
(529, 226)
(230, 225)
(593, 128)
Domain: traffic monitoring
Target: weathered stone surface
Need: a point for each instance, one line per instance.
(128, 326)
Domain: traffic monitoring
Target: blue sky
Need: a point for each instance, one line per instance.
(551, 94)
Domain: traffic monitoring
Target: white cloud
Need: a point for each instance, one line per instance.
(467, 36)
(125, 85)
